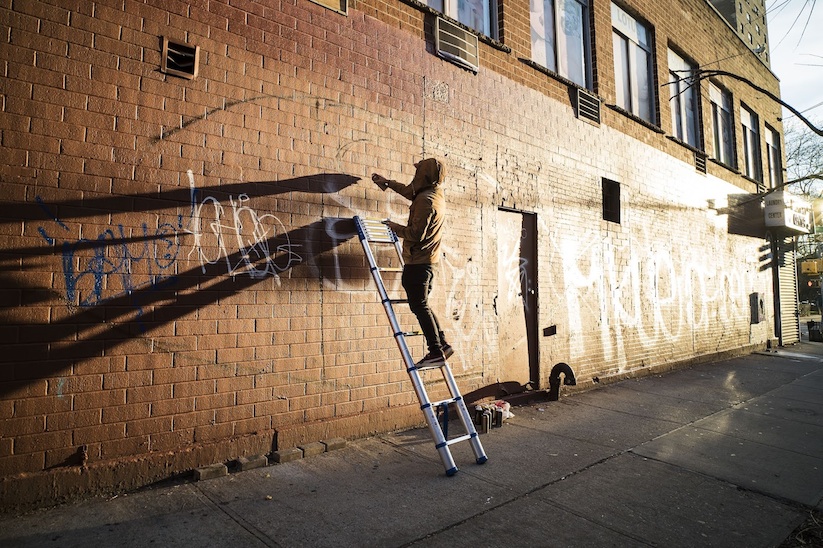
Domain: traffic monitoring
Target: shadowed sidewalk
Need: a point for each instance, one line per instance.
(722, 454)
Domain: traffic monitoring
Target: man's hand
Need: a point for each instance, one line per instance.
(381, 181)
(392, 225)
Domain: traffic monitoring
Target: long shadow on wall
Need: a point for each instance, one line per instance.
(99, 318)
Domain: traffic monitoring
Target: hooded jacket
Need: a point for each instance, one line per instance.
(424, 230)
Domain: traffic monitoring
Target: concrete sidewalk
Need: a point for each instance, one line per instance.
(724, 454)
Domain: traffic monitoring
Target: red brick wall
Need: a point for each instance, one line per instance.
(181, 281)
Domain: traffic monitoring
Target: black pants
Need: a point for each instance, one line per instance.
(417, 281)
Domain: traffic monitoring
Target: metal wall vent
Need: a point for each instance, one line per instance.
(700, 162)
(456, 44)
(588, 106)
(180, 59)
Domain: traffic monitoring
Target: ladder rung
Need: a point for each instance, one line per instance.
(377, 231)
(424, 367)
(458, 439)
(373, 231)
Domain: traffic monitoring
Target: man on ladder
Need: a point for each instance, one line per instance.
(421, 249)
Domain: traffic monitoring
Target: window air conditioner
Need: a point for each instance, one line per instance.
(456, 44)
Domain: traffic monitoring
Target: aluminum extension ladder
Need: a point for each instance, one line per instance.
(376, 232)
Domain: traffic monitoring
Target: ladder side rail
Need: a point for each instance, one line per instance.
(441, 443)
(387, 305)
(381, 288)
(465, 417)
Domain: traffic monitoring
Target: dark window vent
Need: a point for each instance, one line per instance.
(611, 201)
(456, 44)
(588, 106)
(179, 59)
(700, 162)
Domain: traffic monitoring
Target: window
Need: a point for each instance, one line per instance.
(751, 144)
(480, 15)
(560, 37)
(722, 125)
(611, 201)
(633, 65)
(775, 162)
(684, 91)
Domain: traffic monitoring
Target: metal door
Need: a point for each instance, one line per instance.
(516, 301)
(787, 317)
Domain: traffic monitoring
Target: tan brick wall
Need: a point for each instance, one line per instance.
(182, 283)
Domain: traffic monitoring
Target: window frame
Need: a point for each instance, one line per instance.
(551, 55)
(774, 157)
(457, 10)
(684, 100)
(631, 43)
(752, 162)
(721, 103)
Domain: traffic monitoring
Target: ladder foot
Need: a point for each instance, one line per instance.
(451, 471)
(482, 460)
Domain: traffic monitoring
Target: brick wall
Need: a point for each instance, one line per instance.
(182, 283)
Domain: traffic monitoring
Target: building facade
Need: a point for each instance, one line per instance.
(748, 18)
(183, 284)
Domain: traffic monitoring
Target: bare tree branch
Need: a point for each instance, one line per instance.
(702, 74)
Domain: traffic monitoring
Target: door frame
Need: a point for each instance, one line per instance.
(533, 294)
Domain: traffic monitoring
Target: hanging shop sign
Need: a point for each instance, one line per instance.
(784, 210)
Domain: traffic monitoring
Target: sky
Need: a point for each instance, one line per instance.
(796, 47)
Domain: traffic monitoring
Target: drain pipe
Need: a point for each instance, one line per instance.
(554, 380)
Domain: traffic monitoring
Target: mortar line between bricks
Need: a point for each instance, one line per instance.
(254, 531)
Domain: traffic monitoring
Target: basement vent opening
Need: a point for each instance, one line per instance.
(700, 162)
(588, 106)
(179, 59)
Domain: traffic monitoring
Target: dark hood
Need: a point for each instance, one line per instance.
(430, 173)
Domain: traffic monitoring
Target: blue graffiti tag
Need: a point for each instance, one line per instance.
(115, 263)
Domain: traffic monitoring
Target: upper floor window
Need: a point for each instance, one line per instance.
(722, 125)
(560, 37)
(633, 66)
(684, 92)
(480, 15)
(774, 157)
(751, 144)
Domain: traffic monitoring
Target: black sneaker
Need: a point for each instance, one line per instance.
(448, 351)
(432, 360)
